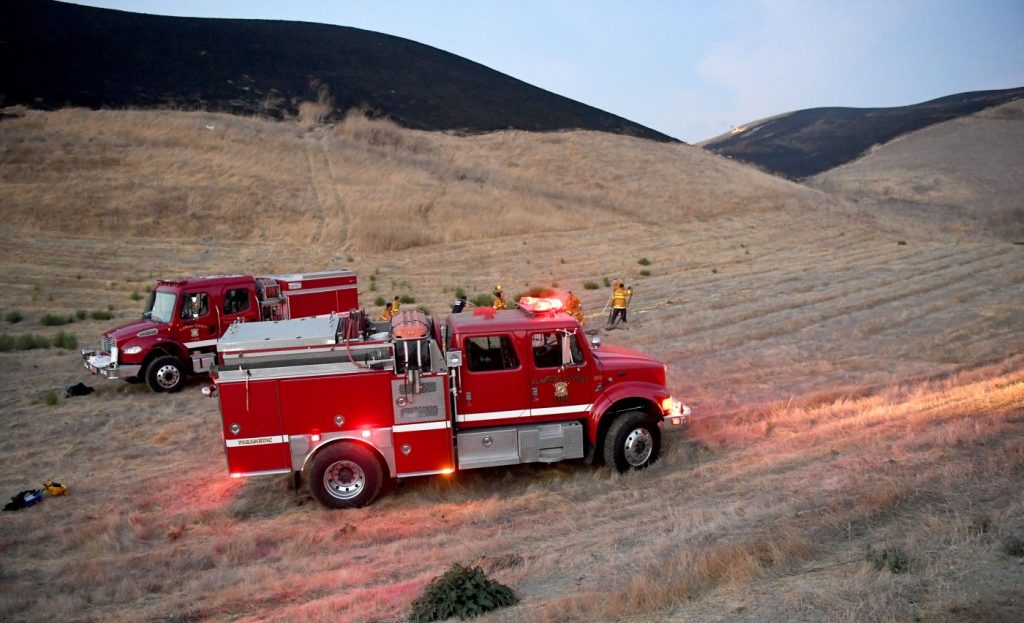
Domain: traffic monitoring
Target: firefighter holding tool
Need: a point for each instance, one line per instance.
(621, 297)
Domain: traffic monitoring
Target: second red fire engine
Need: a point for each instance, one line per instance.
(351, 403)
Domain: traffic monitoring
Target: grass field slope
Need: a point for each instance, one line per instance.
(965, 175)
(856, 453)
(807, 142)
(56, 54)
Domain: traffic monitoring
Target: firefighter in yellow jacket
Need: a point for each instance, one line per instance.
(388, 312)
(620, 302)
(574, 307)
(396, 305)
(499, 297)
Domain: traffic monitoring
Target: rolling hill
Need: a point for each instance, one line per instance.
(55, 55)
(807, 142)
(964, 175)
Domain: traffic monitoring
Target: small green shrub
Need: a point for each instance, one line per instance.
(482, 300)
(136, 296)
(30, 341)
(1013, 546)
(65, 341)
(714, 270)
(110, 308)
(459, 293)
(590, 285)
(53, 320)
(424, 309)
(379, 301)
(349, 258)
(644, 261)
(7, 343)
(373, 286)
(14, 316)
(81, 314)
(407, 299)
(645, 273)
(461, 592)
(101, 315)
(607, 282)
(901, 242)
(891, 557)
(50, 397)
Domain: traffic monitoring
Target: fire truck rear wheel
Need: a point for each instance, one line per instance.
(165, 374)
(345, 475)
(633, 442)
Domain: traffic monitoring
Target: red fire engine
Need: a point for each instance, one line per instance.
(352, 403)
(177, 334)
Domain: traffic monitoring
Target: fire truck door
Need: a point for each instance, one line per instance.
(493, 388)
(259, 445)
(560, 377)
(422, 429)
(196, 326)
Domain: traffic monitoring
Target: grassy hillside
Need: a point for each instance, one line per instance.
(358, 186)
(857, 449)
(966, 174)
(807, 142)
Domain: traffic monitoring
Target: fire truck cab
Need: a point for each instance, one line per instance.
(177, 334)
(351, 403)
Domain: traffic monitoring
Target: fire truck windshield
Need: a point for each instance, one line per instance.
(160, 306)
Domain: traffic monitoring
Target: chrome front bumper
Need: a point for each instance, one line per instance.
(102, 364)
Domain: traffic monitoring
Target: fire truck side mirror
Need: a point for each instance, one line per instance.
(596, 342)
(454, 358)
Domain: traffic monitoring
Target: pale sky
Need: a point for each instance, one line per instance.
(692, 69)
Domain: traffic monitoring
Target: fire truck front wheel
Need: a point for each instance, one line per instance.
(633, 442)
(165, 374)
(345, 475)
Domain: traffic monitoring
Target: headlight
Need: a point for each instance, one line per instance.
(132, 350)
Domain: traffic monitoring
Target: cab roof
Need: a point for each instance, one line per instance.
(204, 280)
(506, 320)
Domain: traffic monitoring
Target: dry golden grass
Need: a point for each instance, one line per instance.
(849, 391)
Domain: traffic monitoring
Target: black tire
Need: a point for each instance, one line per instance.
(165, 374)
(345, 475)
(633, 442)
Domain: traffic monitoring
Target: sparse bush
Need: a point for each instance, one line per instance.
(379, 301)
(407, 299)
(644, 261)
(349, 258)
(81, 314)
(50, 397)
(6, 343)
(901, 242)
(14, 316)
(645, 273)
(459, 293)
(424, 309)
(590, 285)
(607, 282)
(101, 315)
(65, 341)
(53, 320)
(136, 296)
(891, 557)
(714, 270)
(30, 341)
(461, 592)
(482, 300)
(1013, 546)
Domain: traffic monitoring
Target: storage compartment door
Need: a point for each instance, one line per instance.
(422, 430)
(259, 446)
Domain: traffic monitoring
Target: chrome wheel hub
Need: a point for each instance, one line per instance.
(344, 480)
(639, 446)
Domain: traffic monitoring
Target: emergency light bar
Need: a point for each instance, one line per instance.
(535, 305)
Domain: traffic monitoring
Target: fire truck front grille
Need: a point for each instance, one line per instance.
(107, 344)
(427, 387)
